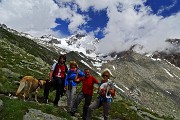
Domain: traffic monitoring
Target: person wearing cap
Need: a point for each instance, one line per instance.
(86, 93)
(106, 93)
(56, 79)
(70, 85)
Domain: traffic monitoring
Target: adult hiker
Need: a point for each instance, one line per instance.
(87, 91)
(70, 85)
(56, 79)
(106, 92)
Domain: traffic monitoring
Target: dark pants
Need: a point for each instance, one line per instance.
(79, 98)
(56, 83)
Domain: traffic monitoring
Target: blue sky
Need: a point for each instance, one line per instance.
(117, 23)
(169, 7)
(99, 19)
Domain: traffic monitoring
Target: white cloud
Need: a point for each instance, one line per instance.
(97, 4)
(34, 17)
(76, 21)
(37, 17)
(125, 27)
(130, 27)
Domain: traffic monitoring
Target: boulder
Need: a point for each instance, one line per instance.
(34, 114)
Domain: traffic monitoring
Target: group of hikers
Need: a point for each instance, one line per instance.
(65, 80)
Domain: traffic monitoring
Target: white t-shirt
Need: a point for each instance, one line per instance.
(107, 85)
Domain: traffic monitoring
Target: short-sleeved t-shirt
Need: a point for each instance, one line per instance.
(60, 70)
(88, 84)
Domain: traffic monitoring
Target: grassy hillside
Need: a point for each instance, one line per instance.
(28, 46)
(20, 56)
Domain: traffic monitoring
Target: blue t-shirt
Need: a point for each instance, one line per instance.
(70, 77)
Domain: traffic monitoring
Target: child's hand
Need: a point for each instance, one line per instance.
(77, 71)
(65, 88)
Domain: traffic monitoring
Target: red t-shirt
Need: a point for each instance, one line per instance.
(60, 71)
(87, 84)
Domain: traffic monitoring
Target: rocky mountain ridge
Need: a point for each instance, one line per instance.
(152, 82)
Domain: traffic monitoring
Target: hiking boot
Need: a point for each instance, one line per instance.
(72, 113)
(55, 105)
(45, 101)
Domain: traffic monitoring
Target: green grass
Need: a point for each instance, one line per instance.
(15, 109)
(29, 46)
(16, 62)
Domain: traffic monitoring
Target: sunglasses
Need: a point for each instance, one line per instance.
(105, 75)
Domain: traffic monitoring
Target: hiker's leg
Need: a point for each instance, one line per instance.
(73, 94)
(62, 92)
(86, 105)
(77, 101)
(93, 106)
(68, 92)
(58, 85)
(106, 108)
(47, 88)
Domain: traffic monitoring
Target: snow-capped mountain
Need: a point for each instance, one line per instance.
(79, 42)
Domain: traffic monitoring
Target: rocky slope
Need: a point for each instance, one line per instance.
(153, 83)
(172, 54)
